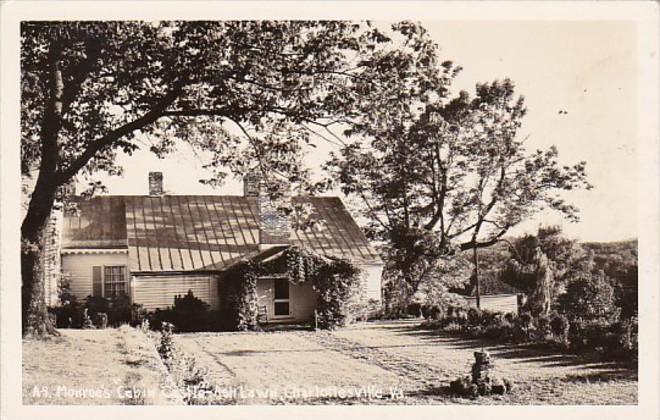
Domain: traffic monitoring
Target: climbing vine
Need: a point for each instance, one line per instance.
(336, 280)
(240, 306)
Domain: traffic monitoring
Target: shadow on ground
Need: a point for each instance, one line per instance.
(531, 353)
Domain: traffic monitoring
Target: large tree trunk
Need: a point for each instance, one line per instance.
(35, 319)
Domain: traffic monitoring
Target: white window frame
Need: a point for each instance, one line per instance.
(127, 280)
(287, 300)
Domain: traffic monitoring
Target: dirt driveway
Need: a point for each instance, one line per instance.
(393, 362)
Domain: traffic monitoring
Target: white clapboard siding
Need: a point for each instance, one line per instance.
(497, 303)
(158, 292)
(371, 280)
(78, 269)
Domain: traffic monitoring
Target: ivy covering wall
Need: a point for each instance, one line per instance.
(336, 280)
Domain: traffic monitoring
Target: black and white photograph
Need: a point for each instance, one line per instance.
(376, 208)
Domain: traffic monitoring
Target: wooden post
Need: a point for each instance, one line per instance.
(475, 257)
(316, 320)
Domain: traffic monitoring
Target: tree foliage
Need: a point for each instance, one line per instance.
(541, 265)
(244, 90)
(438, 173)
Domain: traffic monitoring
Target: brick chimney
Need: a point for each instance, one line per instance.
(155, 183)
(274, 225)
(251, 184)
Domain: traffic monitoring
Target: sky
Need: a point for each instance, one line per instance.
(586, 68)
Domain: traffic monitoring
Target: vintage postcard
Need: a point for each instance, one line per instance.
(290, 208)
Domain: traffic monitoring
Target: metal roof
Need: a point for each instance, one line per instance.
(99, 222)
(202, 233)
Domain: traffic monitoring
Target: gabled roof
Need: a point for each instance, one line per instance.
(202, 233)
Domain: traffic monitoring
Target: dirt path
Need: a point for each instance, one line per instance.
(284, 367)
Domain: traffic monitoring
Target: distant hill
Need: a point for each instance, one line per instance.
(626, 247)
(617, 259)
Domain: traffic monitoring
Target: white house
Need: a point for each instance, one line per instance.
(155, 247)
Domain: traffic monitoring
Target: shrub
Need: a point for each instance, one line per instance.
(364, 311)
(525, 320)
(616, 340)
(190, 313)
(159, 317)
(626, 300)
(432, 311)
(138, 314)
(475, 331)
(452, 327)
(414, 309)
(591, 335)
(519, 334)
(336, 282)
(96, 305)
(240, 306)
(500, 328)
(166, 347)
(68, 315)
(589, 297)
(474, 316)
(560, 326)
(119, 310)
(542, 323)
(627, 337)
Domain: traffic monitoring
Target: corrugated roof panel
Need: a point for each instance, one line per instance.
(233, 222)
(179, 237)
(246, 209)
(131, 227)
(201, 226)
(211, 231)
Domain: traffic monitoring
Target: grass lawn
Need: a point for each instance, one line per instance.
(371, 363)
(110, 366)
(541, 377)
(283, 366)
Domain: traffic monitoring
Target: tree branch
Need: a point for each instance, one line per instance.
(106, 141)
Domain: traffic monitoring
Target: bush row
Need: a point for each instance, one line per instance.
(71, 315)
(189, 314)
(613, 339)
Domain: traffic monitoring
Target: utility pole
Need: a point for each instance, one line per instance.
(475, 258)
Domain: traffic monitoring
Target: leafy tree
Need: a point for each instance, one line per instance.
(541, 265)
(436, 174)
(244, 90)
